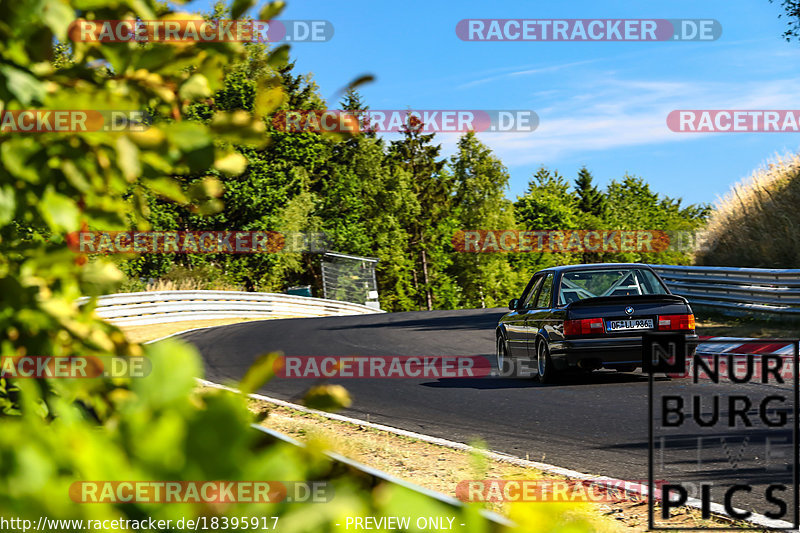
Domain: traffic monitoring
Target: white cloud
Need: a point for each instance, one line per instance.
(526, 72)
(617, 113)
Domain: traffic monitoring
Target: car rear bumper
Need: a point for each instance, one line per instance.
(599, 352)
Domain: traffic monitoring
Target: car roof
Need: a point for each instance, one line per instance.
(594, 266)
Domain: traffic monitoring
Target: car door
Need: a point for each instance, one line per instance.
(538, 315)
(516, 321)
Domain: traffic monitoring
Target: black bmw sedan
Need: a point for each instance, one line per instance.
(588, 317)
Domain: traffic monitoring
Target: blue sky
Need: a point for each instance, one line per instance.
(601, 104)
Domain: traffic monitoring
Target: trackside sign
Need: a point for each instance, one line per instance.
(724, 435)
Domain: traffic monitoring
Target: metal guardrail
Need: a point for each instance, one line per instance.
(373, 477)
(737, 291)
(155, 307)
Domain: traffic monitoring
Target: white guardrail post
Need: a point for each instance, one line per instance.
(155, 307)
(737, 291)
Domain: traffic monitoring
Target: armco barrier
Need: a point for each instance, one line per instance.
(737, 291)
(142, 308)
(371, 477)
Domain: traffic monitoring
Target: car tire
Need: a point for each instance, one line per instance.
(544, 364)
(502, 357)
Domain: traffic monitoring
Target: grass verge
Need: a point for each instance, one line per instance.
(156, 331)
(745, 327)
(441, 468)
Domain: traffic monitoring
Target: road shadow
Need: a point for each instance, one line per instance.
(473, 319)
(522, 382)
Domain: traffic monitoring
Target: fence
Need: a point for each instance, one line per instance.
(350, 278)
(141, 308)
(765, 292)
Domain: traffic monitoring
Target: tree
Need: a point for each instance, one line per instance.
(480, 184)
(432, 187)
(592, 205)
(275, 192)
(154, 428)
(633, 205)
(792, 11)
(590, 199)
(57, 432)
(359, 200)
(548, 204)
(354, 102)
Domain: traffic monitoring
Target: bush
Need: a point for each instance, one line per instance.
(204, 277)
(60, 431)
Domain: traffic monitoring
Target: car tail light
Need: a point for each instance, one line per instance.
(584, 326)
(675, 322)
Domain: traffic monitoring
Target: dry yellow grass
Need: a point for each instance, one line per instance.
(755, 224)
(156, 331)
(718, 327)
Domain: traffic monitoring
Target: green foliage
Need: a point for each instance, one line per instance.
(60, 431)
(431, 185)
(548, 204)
(791, 9)
(626, 204)
(271, 193)
(212, 160)
(159, 429)
(399, 202)
(481, 181)
(632, 205)
(55, 183)
(590, 200)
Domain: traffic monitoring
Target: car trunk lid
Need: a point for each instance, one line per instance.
(625, 315)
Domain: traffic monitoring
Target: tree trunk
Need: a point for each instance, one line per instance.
(317, 281)
(428, 295)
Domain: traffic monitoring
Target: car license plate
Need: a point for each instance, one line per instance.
(624, 325)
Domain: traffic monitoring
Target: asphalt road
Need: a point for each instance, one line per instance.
(596, 423)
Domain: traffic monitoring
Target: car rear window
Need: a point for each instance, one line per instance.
(581, 284)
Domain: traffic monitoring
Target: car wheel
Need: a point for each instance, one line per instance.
(625, 368)
(502, 358)
(544, 364)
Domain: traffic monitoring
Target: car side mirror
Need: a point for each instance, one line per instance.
(513, 304)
